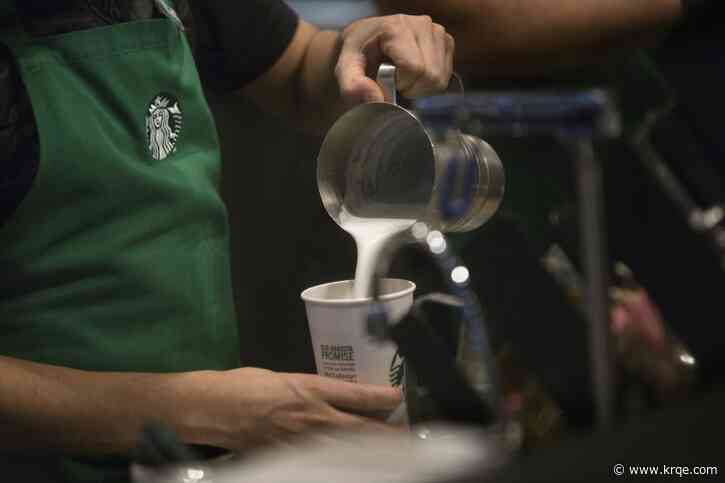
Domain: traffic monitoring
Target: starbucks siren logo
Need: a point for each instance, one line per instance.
(163, 125)
(397, 370)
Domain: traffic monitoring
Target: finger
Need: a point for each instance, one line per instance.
(361, 398)
(354, 62)
(359, 424)
(437, 50)
(443, 67)
(450, 53)
(355, 86)
(432, 53)
(438, 33)
(365, 399)
(399, 44)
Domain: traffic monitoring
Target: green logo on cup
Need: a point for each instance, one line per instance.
(397, 370)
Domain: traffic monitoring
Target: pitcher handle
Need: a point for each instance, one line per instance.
(387, 81)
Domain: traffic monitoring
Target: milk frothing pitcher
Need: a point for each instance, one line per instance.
(380, 160)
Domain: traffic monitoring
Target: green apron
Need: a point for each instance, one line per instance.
(117, 259)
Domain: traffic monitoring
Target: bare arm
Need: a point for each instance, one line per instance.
(79, 412)
(511, 37)
(323, 73)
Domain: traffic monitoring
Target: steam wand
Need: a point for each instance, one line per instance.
(466, 388)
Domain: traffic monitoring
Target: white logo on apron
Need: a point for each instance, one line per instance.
(163, 125)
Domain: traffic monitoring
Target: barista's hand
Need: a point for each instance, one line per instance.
(422, 51)
(252, 407)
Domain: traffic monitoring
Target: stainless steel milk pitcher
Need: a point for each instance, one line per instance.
(380, 160)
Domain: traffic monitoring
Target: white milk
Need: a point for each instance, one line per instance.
(371, 235)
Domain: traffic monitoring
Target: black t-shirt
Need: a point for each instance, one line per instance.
(236, 42)
(233, 42)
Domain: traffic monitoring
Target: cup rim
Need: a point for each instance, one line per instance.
(411, 287)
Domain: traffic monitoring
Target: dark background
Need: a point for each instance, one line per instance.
(282, 239)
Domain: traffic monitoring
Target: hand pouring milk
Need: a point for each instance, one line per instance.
(379, 172)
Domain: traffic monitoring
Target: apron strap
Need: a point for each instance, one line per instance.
(10, 19)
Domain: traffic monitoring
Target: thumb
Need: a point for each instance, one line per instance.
(355, 86)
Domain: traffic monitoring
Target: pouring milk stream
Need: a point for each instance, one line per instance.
(381, 170)
(371, 235)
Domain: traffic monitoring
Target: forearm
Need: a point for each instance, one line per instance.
(301, 86)
(79, 412)
(320, 98)
(499, 37)
(56, 409)
(323, 73)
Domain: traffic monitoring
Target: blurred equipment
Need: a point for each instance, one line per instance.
(383, 161)
(439, 453)
(451, 370)
(706, 221)
(159, 446)
(644, 345)
(576, 119)
(683, 436)
(687, 437)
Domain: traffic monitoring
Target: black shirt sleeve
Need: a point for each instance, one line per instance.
(237, 41)
(693, 8)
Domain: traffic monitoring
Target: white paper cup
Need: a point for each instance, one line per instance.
(343, 348)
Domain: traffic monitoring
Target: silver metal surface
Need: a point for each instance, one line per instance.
(595, 259)
(490, 185)
(372, 135)
(433, 454)
(387, 81)
(380, 161)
